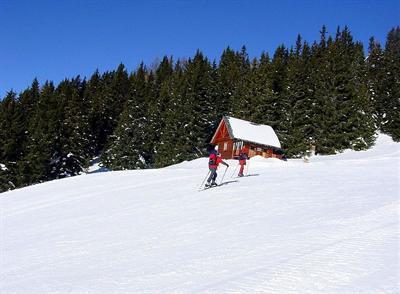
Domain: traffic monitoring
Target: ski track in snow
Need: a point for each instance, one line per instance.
(328, 226)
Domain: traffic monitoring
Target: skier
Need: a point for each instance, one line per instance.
(242, 161)
(213, 162)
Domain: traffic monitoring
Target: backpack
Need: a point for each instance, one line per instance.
(213, 159)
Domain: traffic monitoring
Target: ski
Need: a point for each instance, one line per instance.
(210, 187)
(252, 175)
(218, 185)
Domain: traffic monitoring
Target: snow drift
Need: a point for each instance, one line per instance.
(331, 225)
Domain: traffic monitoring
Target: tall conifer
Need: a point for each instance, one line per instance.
(127, 150)
(389, 102)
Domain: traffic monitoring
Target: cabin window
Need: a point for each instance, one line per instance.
(225, 146)
(238, 145)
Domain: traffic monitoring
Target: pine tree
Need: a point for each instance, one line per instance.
(11, 129)
(241, 98)
(96, 113)
(114, 92)
(389, 102)
(28, 100)
(72, 156)
(228, 74)
(171, 148)
(158, 100)
(276, 116)
(128, 150)
(44, 140)
(299, 93)
(375, 76)
(6, 179)
(200, 105)
(347, 122)
(10, 136)
(215, 97)
(323, 110)
(260, 91)
(190, 115)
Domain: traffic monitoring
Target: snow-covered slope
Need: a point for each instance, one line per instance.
(331, 225)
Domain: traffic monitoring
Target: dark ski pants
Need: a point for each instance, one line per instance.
(213, 175)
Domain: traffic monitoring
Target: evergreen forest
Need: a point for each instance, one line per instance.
(332, 93)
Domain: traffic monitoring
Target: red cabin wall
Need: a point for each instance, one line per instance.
(226, 154)
(222, 136)
(263, 151)
(255, 150)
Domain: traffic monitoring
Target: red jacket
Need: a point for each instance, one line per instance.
(214, 161)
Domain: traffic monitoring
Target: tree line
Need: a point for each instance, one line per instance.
(327, 93)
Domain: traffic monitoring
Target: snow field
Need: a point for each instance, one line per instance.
(331, 226)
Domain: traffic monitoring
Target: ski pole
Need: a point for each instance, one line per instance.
(224, 175)
(202, 183)
(248, 163)
(234, 171)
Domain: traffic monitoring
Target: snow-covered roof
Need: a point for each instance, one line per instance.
(252, 132)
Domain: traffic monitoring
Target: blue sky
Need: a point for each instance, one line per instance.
(53, 40)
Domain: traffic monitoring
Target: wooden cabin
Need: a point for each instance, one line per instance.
(234, 134)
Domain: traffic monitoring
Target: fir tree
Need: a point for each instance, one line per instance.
(28, 100)
(115, 90)
(276, 117)
(158, 100)
(375, 76)
(11, 128)
(241, 98)
(348, 123)
(10, 137)
(389, 101)
(127, 150)
(172, 140)
(323, 109)
(72, 155)
(228, 74)
(299, 93)
(96, 113)
(260, 91)
(6, 179)
(44, 140)
(200, 104)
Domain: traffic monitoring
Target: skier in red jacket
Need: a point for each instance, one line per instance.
(213, 162)
(242, 161)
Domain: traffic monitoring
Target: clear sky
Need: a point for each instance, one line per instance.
(56, 39)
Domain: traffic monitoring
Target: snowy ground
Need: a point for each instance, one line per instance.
(328, 226)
